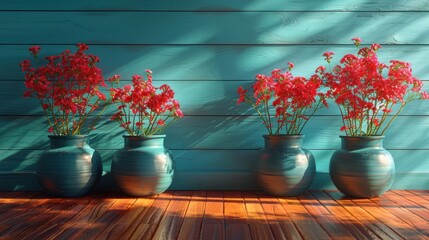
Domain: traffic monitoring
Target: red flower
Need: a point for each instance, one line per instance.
(357, 41)
(34, 50)
(291, 65)
(363, 91)
(68, 88)
(115, 78)
(328, 56)
(242, 95)
(82, 47)
(294, 99)
(149, 108)
(161, 122)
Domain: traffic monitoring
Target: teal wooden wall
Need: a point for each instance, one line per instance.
(205, 50)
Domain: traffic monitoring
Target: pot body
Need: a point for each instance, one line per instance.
(362, 168)
(70, 167)
(144, 166)
(285, 168)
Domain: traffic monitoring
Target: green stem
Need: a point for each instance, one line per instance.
(267, 111)
(260, 114)
(409, 99)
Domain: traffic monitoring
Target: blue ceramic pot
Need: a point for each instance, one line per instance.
(70, 167)
(144, 166)
(285, 168)
(362, 168)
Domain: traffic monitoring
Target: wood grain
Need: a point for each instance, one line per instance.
(259, 226)
(191, 227)
(236, 217)
(196, 98)
(210, 27)
(279, 220)
(220, 5)
(214, 132)
(305, 223)
(214, 62)
(418, 219)
(381, 230)
(213, 226)
(382, 214)
(212, 215)
(325, 218)
(170, 225)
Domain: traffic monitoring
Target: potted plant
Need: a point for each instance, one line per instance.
(285, 103)
(144, 166)
(68, 87)
(367, 92)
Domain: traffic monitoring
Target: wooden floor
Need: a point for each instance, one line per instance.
(215, 215)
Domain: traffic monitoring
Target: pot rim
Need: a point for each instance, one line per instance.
(374, 137)
(67, 136)
(145, 137)
(284, 136)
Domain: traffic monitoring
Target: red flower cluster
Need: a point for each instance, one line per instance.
(295, 100)
(366, 94)
(143, 109)
(67, 87)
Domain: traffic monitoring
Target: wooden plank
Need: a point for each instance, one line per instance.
(308, 227)
(220, 5)
(327, 221)
(15, 200)
(67, 211)
(209, 62)
(409, 202)
(419, 197)
(280, 222)
(171, 223)
(58, 214)
(130, 221)
(104, 215)
(95, 208)
(192, 222)
(39, 205)
(209, 180)
(21, 223)
(423, 194)
(236, 218)
(213, 221)
(196, 98)
(410, 217)
(237, 231)
(235, 209)
(382, 214)
(152, 217)
(356, 228)
(380, 229)
(54, 225)
(240, 160)
(102, 227)
(14, 204)
(258, 224)
(213, 231)
(209, 27)
(215, 132)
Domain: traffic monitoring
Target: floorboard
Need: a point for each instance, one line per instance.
(316, 214)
